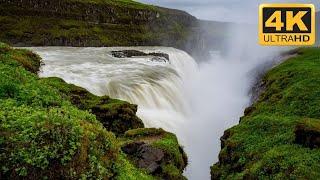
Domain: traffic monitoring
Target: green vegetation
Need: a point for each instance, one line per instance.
(278, 138)
(120, 3)
(53, 130)
(92, 23)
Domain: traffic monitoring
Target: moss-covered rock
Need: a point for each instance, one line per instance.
(51, 130)
(278, 138)
(115, 115)
(157, 151)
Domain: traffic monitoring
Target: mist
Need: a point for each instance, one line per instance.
(219, 92)
(238, 11)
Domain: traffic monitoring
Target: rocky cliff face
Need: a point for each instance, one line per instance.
(97, 23)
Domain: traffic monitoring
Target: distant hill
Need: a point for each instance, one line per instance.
(98, 23)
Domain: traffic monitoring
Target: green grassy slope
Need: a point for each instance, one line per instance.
(106, 23)
(53, 130)
(278, 138)
(95, 23)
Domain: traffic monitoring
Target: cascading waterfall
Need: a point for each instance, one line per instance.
(157, 87)
(195, 102)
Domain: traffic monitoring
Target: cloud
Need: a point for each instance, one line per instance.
(223, 10)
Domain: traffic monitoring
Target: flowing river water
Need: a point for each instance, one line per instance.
(196, 102)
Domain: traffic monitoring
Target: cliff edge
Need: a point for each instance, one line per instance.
(279, 135)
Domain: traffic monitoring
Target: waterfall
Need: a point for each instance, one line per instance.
(196, 102)
(156, 87)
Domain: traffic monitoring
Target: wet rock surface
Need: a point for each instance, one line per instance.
(147, 157)
(157, 57)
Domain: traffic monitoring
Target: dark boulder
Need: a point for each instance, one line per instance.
(134, 53)
(147, 157)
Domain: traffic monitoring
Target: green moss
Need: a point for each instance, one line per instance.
(264, 145)
(141, 132)
(169, 144)
(120, 3)
(25, 58)
(172, 172)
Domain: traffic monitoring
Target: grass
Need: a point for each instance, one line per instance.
(51, 31)
(263, 145)
(120, 3)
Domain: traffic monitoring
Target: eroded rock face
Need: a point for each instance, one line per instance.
(148, 157)
(80, 10)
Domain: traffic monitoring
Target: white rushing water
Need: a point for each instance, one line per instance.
(156, 86)
(197, 102)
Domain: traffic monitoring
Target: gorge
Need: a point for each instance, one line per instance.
(169, 94)
(105, 84)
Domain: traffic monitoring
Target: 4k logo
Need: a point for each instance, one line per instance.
(287, 24)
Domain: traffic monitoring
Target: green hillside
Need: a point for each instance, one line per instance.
(54, 130)
(105, 23)
(95, 23)
(279, 136)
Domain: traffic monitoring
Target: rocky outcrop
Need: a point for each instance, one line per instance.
(89, 11)
(156, 151)
(115, 115)
(157, 57)
(148, 157)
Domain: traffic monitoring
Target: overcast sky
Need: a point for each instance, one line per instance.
(223, 10)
